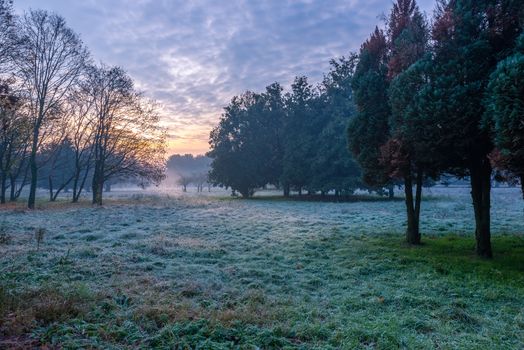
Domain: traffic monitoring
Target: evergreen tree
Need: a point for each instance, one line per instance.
(506, 112)
(407, 34)
(333, 167)
(236, 147)
(469, 37)
(299, 143)
(368, 130)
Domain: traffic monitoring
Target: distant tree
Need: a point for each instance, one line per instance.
(506, 112)
(189, 169)
(241, 158)
(333, 168)
(299, 142)
(49, 59)
(57, 167)
(273, 117)
(234, 148)
(469, 37)
(184, 181)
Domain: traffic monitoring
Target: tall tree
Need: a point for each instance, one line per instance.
(49, 60)
(333, 167)
(238, 148)
(407, 40)
(506, 112)
(81, 131)
(127, 139)
(469, 37)
(14, 136)
(7, 33)
(368, 130)
(273, 119)
(298, 146)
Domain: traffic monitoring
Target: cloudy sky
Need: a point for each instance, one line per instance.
(192, 56)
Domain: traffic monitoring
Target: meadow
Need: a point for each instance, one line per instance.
(186, 271)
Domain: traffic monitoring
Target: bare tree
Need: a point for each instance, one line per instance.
(81, 132)
(128, 141)
(49, 59)
(7, 33)
(14, 136)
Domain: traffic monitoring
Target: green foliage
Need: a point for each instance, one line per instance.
(411, 121)
(299, 144)
(369, 129)
(238, 147)
(506, 110)
(293, 141)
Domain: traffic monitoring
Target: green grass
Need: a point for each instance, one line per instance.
(208, 274)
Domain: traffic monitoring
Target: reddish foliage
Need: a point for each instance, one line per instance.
(394, 157)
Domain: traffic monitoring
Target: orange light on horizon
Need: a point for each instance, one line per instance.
(187, 146)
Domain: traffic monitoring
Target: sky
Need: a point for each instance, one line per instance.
(193, 56)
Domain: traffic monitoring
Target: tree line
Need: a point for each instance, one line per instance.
(422, 98)
(290, 140)
(65, 122)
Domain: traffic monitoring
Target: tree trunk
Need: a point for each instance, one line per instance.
(413, 209)
(481, 195)
(76, 193)
(3, 188)
(418, 199)
(50, 181)
(286, 190)
(522, 185)
(391, 192)
(98, 185)
(12, 189)
(34, 173)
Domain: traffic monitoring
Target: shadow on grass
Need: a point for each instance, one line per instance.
(454, 254)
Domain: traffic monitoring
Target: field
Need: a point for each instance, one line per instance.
(150, 270)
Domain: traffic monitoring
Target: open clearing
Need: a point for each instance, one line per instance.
(208, 272)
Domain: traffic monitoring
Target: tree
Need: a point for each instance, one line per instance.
(332, 167)
(81, 132)
(127, 140)
(506, 112)
(298, 142)
(49, 60)
(272, 121)
(368, 130)
(409, 153)
(238, 152)
(407, 40)
(7, 33)
(469, 37)
(14, 136)
(56, 166)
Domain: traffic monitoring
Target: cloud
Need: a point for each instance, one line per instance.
(193, 56)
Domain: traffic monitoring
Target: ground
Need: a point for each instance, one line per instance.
(151, 270)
